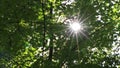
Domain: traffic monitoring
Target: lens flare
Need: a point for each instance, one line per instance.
(75, 26)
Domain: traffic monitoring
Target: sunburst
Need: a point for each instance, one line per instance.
(76, 28)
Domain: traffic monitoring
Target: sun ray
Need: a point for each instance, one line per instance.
(77, 29)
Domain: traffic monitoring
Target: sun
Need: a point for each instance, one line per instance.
(75, 26)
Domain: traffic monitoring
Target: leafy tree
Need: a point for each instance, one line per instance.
(36, 34)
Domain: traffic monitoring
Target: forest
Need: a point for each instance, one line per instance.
(59, 33)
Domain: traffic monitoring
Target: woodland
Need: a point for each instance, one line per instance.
(42, 34)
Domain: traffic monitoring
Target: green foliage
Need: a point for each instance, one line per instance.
(25, 58)
(33, 34)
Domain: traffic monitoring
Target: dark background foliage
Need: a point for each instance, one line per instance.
(33, 34)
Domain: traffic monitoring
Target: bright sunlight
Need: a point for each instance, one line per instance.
(75, 27)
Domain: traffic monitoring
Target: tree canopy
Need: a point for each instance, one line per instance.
(37, 34)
